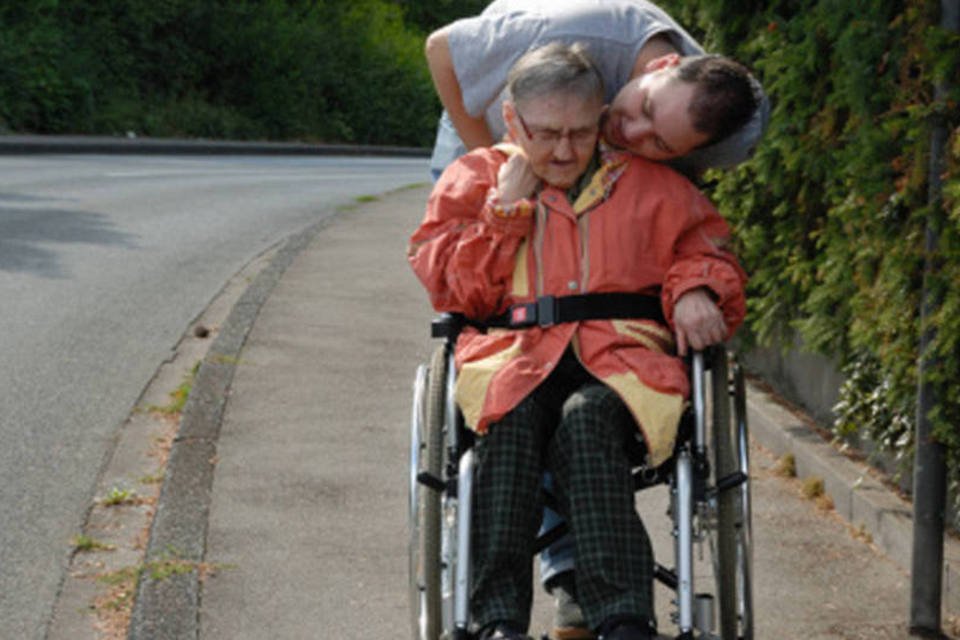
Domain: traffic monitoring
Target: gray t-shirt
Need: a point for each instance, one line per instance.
(484, 47)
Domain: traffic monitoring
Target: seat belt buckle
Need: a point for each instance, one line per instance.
(547, 311)
(523, 315)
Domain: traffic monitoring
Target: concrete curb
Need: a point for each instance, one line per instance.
(859, 497)
(166, 607)
(30, 144)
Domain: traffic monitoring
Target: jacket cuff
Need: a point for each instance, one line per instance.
(516, 216)
(728, 296)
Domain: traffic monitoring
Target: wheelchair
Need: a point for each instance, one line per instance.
(707, 476)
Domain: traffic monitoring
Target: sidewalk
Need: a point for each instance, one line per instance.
(289, 475)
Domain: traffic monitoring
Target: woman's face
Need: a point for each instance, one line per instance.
(558, 132)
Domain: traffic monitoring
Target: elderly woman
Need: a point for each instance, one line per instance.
(596, 232)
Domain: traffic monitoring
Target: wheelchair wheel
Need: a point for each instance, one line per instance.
(427, 456)
(731, 539)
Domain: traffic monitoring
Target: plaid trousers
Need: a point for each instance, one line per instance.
(581, 431)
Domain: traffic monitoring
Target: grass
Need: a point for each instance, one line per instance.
(364, 199)
(123, 582)
(413, 185)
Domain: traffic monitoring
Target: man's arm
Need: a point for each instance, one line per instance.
(655, 47)
(473, 130)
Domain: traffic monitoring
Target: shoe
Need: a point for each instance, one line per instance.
(501, 631)
(573, 633)
(627, 628)
(568, 621)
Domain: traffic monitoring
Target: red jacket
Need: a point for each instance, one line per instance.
(638, 227)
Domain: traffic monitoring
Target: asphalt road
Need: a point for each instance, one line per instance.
(104, 263)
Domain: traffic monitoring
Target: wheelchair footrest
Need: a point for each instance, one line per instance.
(731, 481)
(666, 577)
(431, 481)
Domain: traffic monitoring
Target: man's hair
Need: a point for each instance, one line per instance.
(552, 68)
(724, 99)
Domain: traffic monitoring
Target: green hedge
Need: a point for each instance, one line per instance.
(341, 71)
(831, 213)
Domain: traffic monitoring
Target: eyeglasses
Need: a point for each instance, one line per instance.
(544, 136)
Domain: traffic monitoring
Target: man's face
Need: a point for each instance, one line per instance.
(558, 132)
(650, 117)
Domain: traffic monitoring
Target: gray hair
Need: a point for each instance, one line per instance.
(556, 67)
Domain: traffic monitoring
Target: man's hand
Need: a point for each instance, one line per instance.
(473, 130)
(515, 180)
(698, 321)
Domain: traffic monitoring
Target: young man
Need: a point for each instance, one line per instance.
(469, 60)
(557, 216)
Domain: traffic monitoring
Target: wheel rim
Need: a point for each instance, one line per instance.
(745, 531)
(731, 527)
(413, 543)
(425, 456)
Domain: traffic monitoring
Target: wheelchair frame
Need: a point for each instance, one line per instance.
(708, 477)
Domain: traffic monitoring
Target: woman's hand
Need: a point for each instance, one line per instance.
(698, 321)
(515, 180)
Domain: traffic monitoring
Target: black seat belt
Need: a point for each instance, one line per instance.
(550, 310)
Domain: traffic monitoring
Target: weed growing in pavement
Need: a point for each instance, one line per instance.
(231, 360)
(155, 478)
(952, 625)
(824, 502)
(178, 397)
(117, 496)
(169, 564)
(786, 466)
(861, 533)
(123, 586)
(83, 543)
(114, 607)
(814, 488)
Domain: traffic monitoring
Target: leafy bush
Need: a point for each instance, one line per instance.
(427, 15)
(833, 211)
(281, 69)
